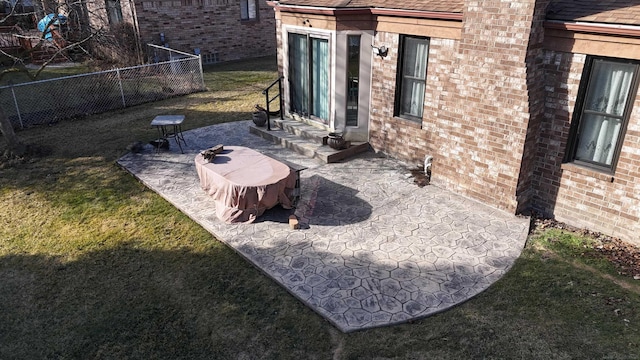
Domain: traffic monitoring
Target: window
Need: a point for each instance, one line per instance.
(607, 91)
(114, 11)
(309, 76)
(412, 75)
(353, 75)
(248, 9)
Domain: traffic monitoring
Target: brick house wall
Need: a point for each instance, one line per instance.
(402, 138)
(499, 100)
(213, 26)
(497, 113)
(536, 95)
(572, 194)
(476, 112)
(98, 17)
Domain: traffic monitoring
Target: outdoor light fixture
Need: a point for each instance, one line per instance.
(381, 51)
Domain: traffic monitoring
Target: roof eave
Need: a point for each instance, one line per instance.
(594, 28)
(439, 15)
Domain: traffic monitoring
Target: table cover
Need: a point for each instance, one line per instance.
(244, 183)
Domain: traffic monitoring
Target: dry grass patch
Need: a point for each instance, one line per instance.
(94, 265)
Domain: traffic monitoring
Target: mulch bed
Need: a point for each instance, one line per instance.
(623, 255)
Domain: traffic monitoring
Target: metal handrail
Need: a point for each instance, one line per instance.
(268, 100)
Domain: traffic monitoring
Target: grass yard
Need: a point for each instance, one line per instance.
(95, 266)
(51, 72)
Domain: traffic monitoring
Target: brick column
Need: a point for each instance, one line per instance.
(494, 75)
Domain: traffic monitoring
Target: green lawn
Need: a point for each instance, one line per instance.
(95, 266)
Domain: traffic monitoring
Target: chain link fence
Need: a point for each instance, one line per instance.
(171, 73)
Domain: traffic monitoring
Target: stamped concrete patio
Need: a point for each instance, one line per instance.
(374, 249)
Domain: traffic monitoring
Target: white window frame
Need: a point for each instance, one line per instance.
(316, 33)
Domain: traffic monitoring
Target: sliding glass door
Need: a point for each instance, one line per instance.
(309, 76)
(299, 73)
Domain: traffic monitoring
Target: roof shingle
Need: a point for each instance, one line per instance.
(451, 6)
(626, 12)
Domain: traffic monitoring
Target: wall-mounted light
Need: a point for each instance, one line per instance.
(381, 51)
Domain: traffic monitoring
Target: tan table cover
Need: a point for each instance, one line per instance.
(244, 183)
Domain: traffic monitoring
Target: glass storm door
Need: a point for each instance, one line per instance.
(353, 79)
(309, 76)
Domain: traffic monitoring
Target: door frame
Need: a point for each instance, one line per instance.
(338, 85)
(315, 33)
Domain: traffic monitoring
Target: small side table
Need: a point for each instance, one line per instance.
(170, 126)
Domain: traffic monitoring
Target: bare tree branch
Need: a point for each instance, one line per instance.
(10, 14)
(62, 50)
(83, 30)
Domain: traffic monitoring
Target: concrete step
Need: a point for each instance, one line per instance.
(302, 130)
(306, 140)
(41, 56)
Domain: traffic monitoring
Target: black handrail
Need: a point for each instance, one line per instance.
(268, 100)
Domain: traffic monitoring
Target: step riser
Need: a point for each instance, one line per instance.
(41, 58)
(283, 142)
(293, 130)
(352, 151)
(315, 151)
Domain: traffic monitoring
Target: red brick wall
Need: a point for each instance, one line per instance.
(211, 25)
(476, 104)
(97, 12)
(575, 195)
(402, 138)
(535, 91)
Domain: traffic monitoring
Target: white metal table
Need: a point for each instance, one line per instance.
(170, 126)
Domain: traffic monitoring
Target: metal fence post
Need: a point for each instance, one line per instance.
(201, 72)
(124, 103)
(15, 102)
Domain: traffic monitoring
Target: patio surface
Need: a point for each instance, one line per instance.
(374, 249)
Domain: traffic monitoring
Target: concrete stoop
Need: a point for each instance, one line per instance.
(306, 140)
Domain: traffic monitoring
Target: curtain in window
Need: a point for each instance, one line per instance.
(320, 78)
(604, 107)
(298, 73)
(252, 9)
(414, 74)
(247, 9)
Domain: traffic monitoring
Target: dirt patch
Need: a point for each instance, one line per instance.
(419, 177)
(33, 153)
